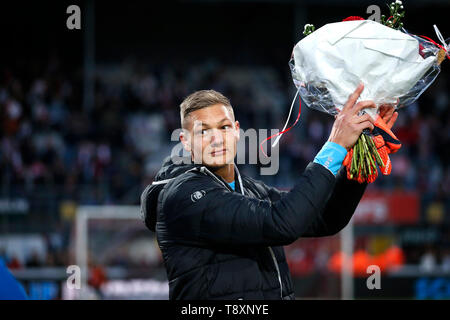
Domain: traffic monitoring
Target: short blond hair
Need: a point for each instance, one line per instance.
(202, 99)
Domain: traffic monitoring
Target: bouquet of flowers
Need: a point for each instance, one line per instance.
(395, 66)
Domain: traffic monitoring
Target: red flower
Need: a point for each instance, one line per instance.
(351, 18)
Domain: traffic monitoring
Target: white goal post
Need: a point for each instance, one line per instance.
(83, 215)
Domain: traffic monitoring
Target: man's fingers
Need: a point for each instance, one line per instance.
(365, 125)
(365, 117)
(382, 110)
(387, 114)
(353, 97)
(391, 122)
(362, 105)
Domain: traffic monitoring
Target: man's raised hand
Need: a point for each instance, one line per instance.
(348, 125)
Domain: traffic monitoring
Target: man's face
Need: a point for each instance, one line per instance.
(211, 136)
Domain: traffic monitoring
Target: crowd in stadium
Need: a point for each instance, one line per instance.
(53, 147)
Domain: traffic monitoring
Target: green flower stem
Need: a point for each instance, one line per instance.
(365, 158)
(361, 156)
(354, 159)
(369, 151)
(368, 165)
(365, 143)
(372, 164)
(375, 152)
(365, 153)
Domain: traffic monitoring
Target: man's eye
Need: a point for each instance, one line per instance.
(200, 132)
(204, 131)
(226, 127)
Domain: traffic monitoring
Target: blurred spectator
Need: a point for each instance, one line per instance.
(14, 263)
(33, 261)
(445, 264)
(428, 261)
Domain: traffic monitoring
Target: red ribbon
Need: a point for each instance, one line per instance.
(286, 130)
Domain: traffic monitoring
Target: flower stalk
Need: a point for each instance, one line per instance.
(365, 158)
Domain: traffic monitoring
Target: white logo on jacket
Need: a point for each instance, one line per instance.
(197, 195)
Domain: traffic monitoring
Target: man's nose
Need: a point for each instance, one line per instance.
(216, 137)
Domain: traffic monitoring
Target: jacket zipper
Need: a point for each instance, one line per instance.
(204, 169)
(278, 271)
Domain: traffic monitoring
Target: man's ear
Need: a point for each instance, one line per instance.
(238, 132)
(185, 140)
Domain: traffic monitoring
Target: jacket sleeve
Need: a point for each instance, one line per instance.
(338, 210)
(217, 216)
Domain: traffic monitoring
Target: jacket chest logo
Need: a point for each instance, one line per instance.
(197, 195)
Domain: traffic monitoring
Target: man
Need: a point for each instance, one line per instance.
(221, 233)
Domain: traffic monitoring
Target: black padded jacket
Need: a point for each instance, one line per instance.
(219, 243)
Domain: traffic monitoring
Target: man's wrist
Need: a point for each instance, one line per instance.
(338, 143)
(331, 156)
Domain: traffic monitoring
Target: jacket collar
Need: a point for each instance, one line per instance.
(239, 183)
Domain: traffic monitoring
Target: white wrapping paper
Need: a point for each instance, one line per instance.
(338, 56)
